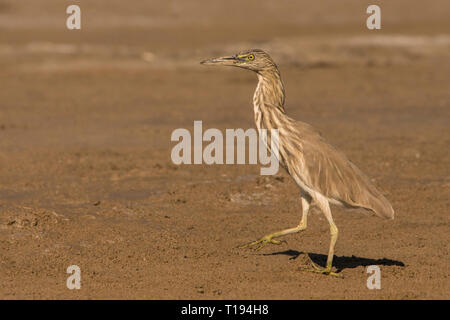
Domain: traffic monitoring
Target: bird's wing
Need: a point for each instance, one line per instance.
(328, 171)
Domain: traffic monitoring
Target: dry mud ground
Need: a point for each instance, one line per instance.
(85, 171)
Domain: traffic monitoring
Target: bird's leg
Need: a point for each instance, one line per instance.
(270, 237)
(327, 269)
(324, 205)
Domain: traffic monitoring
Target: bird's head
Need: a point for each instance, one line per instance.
(255, 59)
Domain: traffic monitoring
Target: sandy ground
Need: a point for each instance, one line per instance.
(85, 171)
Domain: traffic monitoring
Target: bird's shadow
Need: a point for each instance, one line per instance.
(340, 263)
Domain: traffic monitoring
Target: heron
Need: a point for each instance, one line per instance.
(324, 175)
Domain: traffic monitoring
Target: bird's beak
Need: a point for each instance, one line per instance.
(224, 61)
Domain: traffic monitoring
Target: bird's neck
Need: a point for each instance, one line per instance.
(268, 100)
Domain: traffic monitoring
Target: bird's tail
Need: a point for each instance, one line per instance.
(381, 206)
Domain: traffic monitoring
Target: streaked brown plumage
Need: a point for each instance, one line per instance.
(323, 173)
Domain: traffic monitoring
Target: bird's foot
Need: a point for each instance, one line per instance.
(259, 244)
(326, 271)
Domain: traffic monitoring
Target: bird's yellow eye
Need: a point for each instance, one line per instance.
(250, 57)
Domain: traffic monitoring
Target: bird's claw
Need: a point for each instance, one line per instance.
(259, 244)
